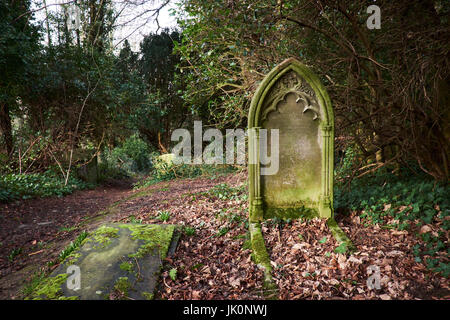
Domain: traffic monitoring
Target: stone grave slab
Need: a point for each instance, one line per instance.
(118, 261)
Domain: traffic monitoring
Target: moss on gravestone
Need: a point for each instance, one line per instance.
(124, 258)
(50, 288)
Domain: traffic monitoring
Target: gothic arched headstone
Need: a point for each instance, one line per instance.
(292, 100)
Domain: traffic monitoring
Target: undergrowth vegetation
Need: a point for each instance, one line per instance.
(72, 246)
(15, 186)
(224, 191)
(405, 200)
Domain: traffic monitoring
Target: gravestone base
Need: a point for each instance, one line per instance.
(290, 213)
(340, 236)
(117, 261)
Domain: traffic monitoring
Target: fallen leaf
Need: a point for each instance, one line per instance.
(425, 229)
(354, 260)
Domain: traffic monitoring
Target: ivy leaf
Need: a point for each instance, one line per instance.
(323, 240)
(342, 248)
(173, 274)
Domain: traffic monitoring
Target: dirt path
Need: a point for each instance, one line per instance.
(38, 229)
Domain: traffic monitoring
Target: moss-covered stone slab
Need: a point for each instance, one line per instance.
(117, 261)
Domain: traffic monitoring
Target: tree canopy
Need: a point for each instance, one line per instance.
(66, 87)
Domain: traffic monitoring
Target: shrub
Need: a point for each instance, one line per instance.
(130, 158)
(346, 163)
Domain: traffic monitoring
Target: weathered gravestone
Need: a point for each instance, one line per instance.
(291, 175)
(292, 100)
(87, 168)
(89, 171)
(117, 261)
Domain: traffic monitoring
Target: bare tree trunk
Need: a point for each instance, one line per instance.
(75, 136)
(6, 128)
(49, 39)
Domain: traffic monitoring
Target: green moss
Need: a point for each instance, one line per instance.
(147, 295)
(345, 244)
(126, 266)
(262, 259)
(102, 236)
(144, 250)
(84, 242)
(259, 250)
(50, 288)
(72, 258)
(247, 245)
(155, 236)
(291, 213)
(106, 231)
(122, 285)
(69, 298)
(260, 254)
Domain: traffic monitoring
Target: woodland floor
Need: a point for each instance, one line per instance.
(215, 262)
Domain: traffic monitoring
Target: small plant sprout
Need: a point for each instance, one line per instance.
(163, 216)
(189, 231)
(173, 274)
